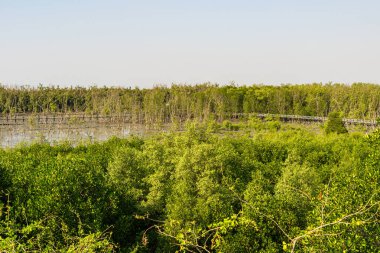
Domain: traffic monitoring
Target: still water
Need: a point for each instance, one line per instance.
(11, 136)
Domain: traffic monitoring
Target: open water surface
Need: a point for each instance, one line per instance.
(11, 136)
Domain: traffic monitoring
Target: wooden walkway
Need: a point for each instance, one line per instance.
(300, 118)
(80, 118)
(62, 119)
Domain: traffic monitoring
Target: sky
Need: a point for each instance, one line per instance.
(159, 42)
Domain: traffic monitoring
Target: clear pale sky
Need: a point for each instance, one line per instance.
(145, 43)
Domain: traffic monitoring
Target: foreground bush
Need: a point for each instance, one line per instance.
(279, 191)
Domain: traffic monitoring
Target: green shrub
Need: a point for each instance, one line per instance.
(228, 125)
(335, 124)
(194, 191)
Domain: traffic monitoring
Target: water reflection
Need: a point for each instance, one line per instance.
(11, 136)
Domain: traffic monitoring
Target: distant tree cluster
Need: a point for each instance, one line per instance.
(180, 102)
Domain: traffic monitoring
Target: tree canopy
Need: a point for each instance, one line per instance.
(282, 190)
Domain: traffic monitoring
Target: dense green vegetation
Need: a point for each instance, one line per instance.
(268, 188)
(201, 101)
(335, 124)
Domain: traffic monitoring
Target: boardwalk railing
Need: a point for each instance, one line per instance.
(52, 119)
(75, 118)
(301, 118)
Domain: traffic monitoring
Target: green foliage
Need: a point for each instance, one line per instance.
(335, 124)
(281, 190)
(203, 101)
(228, 125)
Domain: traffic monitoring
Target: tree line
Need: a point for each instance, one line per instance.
(203, 101)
